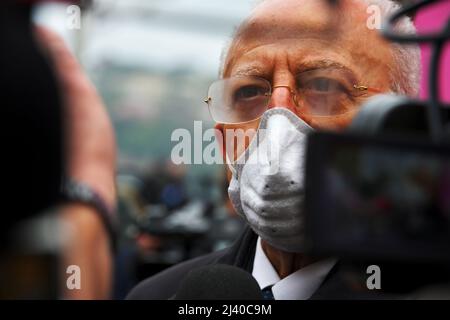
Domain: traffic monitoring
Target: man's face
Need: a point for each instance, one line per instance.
(283, 38)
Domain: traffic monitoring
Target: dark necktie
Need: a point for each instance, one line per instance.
(267, 293)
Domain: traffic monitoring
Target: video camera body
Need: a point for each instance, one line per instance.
(380, 192)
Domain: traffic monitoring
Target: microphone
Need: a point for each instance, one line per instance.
(218, 282)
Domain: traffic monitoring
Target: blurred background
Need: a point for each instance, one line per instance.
(152, 63)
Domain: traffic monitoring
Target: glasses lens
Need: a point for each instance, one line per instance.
(238, 99)
(326, 92)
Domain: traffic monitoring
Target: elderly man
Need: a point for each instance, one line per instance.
(299, 65)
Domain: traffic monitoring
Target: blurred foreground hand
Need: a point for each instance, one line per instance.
(91, 159)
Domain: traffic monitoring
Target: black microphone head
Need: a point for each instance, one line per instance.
(219, 282)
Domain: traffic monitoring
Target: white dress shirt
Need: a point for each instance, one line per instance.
(299, 285)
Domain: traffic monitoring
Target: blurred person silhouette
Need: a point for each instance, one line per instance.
(60, 154)
(165, 184)
(90, 160)
(292, 67)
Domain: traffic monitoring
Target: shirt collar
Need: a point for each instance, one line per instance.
(263, 271)
(299, 285)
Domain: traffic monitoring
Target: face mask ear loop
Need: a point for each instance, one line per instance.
(230, 165)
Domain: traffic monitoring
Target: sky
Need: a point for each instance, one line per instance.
(161, 34)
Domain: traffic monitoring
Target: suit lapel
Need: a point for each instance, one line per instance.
(242, 253)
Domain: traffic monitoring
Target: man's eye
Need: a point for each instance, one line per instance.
(249, 92)
(325, 85)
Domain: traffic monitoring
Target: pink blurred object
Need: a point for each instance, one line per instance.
(428, 20)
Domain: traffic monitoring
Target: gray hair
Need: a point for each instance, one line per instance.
(406, 71)
(405, 76)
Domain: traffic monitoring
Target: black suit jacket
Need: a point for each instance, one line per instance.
(241, 254)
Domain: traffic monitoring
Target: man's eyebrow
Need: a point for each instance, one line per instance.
(253, 70)
(248, 70)
(327, 65)
(322, 64)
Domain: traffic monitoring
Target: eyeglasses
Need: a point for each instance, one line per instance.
(317, 93)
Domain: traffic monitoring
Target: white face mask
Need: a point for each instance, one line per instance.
(267, 189)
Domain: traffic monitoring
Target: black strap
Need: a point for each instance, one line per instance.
(77, 192)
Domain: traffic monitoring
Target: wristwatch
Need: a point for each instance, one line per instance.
(78, 192)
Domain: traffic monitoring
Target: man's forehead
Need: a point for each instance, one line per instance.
(274, 20)
(303, 14)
